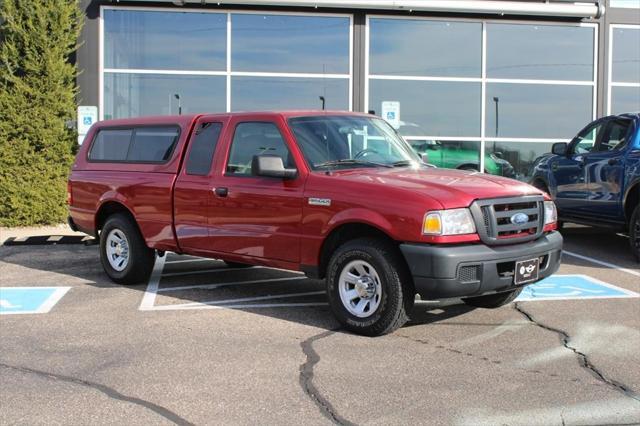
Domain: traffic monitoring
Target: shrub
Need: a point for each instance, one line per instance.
(37, 97)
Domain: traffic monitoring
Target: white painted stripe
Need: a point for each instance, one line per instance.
(217, 285)
(600, 262)
(149, 297)
(253, 299)
(239, 306)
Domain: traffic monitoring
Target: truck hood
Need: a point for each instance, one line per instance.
(452, 188)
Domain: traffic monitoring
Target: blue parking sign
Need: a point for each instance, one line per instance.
(570, 287)
(29, 300)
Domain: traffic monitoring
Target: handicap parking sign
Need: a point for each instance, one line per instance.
(569, 287)
(29, 300)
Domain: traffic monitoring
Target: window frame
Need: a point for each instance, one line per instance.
(133, 134)
(610, 83)
(215, 148)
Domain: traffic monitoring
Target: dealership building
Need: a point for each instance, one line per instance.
(472, 83)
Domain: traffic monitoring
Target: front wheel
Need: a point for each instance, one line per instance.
(634, 233)
(492, 301)
(369, 288)
(124, 255)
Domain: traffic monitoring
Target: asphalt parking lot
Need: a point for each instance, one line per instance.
(205, 344)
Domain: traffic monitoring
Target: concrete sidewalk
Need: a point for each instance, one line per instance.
(34, 231)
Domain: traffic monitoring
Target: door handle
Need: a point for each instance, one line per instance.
(221, 192)
(613, 161)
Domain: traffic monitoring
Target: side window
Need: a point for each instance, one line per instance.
(202, 149)
(587, 139)
(615, 136)
(111, 145)
(153, 144)
(256, 138)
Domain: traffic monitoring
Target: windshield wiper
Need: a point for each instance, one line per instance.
(350, 161)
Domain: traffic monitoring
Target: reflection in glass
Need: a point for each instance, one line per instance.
(630, 4)
(134, 95)
(625, 99)
(431, 108)
(165, 40)
(626, 55)
(425, 48)
(290, 43)
(537, 110)
(550, 52)
(520, 155)
(276, 93)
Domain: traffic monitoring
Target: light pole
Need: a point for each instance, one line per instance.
(177, 96)
(322, 100)
(496, 100)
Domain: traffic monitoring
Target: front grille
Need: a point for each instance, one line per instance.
(497, 219)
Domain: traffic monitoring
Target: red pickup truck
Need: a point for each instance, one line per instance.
(336, 195)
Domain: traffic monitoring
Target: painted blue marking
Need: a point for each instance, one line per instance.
(29, 300)
(566, 287)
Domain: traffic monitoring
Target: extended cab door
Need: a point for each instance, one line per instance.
(604, 171)
(252, 215)
(569, 173)
(193, 194)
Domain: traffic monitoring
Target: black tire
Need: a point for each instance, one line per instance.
(141, 258)
(396, 286)
(634, 233)
(237, 265)
(492, 301)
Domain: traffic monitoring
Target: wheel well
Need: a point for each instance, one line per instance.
(344, 233)
(540, 182)
(109, 208)
(633, 199)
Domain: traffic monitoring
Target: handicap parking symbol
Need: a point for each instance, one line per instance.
(569, 287)
(87, 121)
(29, 300)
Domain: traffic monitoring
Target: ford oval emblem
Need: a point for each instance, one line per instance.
(519, 219)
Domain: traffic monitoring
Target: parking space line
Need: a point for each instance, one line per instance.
(34, 305)
(149, 297)
(600, 262)
(233, 283)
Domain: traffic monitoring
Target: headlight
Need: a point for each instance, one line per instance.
(448, 222)
(550, 213)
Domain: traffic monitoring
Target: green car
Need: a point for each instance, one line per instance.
(462, 156)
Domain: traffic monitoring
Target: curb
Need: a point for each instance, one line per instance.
(45, 240)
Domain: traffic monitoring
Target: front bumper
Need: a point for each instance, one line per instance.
(441, 272)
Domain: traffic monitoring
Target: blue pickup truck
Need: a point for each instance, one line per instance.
(595, 178)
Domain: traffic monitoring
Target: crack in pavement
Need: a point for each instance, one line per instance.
(306, 380)
(111, 393)
(583, 358)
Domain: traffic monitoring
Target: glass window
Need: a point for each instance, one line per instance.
(256, 138)
(536, 110)
(625, 99)
(432, 108)
(425, 48)
(462, 155)
(275, 93)
(630, 4)
(165, 40)
(134, 95)
(615, 136)
(348, 141)
(515, 159)
(153, 144)
(626, 55)
(111, 145)
(290, 43)
(202, 149)
(586, 139)
(551, 52)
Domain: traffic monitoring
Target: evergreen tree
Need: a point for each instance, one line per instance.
(37, 96)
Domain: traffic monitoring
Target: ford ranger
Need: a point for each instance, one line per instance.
(337, 195)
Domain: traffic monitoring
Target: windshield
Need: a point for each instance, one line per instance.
(350, 141)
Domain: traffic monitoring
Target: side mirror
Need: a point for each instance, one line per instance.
(559, 148)
(271, 166)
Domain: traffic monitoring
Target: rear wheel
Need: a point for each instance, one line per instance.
(492, 301)
(125, 257)
(634, 233)
(369, 288)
